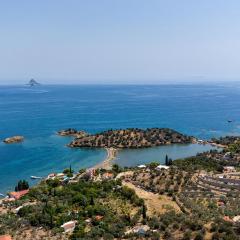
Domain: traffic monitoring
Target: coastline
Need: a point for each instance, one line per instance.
(107, 162)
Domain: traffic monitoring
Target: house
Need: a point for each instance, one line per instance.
(159, 167)
(51, 176)
(5, 237)
(142, 166)
(227, 219)
(98, 218)
(69, 226)
(236, 218)
(229, 169)
(227, 156)
(91, 172)
(17, 209)
(140, 230)
(18, 195)
(107, 175)
(60, 175)
(220, 203)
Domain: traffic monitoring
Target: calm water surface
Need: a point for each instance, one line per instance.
(37, 113)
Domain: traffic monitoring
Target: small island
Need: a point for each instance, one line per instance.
(132, 138)
(15, 139)
(33, 83)
(72, 132)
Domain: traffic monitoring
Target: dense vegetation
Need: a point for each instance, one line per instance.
(22, 185)
(132, 138)
(109, 207)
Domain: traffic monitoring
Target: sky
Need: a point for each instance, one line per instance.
(119, 41)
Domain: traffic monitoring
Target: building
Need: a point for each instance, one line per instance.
(142, 166)
(18, 195)
(159, 167)
(5, 237)
(98, 218)
(91, 172)
(69, 226)
(140, 230)
(229, 169)
(108, 175)
(236, 219)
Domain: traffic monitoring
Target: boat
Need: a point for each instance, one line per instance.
(2, 195)
(229, 121)
(35, 177)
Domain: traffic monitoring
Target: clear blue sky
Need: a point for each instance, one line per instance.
(84, 41)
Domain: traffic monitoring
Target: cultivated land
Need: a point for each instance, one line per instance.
(195, 198)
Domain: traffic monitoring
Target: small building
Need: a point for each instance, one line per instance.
(107, 175)
(140, 230)
(69, 226)
(142, 166)
(227, 156)
(51, 176)
(220, 203)
(236, 218)
(98, 218)
(91, 172)
(227, 219)
(18, 195)
(229, 169)
(5, 237)
(60, 175)
(159, 167)
(17, 209)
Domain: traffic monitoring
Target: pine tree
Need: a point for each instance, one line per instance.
(91, 201)
(166, 160)
(144, 211)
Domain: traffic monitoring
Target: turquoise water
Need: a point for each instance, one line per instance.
(37, 113)
(136, 157)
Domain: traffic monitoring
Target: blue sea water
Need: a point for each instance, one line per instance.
(37, 113)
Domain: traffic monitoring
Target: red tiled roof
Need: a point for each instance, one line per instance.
(5, 237)
(98, 217)
(19, 194)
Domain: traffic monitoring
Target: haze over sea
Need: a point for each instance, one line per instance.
(38, 113)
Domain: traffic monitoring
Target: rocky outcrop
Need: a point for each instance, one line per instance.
(33, 83)
(72, 132)
(14, 139)
(132, 138)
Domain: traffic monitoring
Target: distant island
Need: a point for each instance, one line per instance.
(131, 138)
(33, 83)
(15, 139)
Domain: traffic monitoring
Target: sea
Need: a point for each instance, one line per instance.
(37, 113)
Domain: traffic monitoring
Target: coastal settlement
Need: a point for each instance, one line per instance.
(192, 198)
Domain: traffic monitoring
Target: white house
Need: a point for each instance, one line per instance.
(159, 167)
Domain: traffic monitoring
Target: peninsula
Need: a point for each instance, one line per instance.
(131, 138)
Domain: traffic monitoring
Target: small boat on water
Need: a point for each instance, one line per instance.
(2, 195)
(35, 177)
(229, 121)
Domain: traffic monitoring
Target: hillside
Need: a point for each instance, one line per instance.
(131, 138)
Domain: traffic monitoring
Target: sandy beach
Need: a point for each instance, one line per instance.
(107, 163)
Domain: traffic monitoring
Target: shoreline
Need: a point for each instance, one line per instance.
(107, 162)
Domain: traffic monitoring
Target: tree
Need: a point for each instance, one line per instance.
(144, 211)
(92, 200)
(22, 185)
(166, 160)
